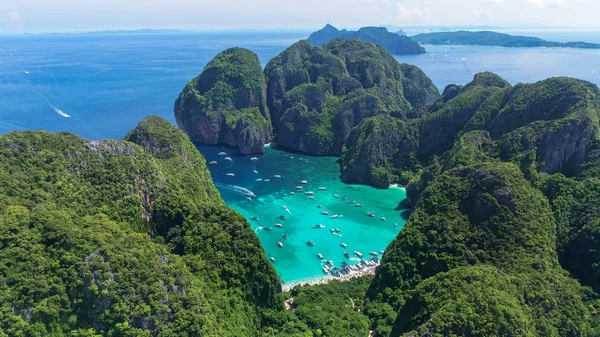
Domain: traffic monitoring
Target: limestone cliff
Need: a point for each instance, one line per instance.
(226, 103)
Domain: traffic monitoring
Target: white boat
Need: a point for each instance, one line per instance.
(332, 230)
(334, 216)
(310, 193)
(255, 171)
(228, 159)
(277, 176)
(382, 218)
(325, 212)
(311, 197)
(358, 205)
(272, 259)
(373, 253)
(292, 193)
(214, 162)
(299, 187)
(322, 188)
(319, 226)
(395, 224)
(336, 196)
(370, 214)
(222, 153)
(344, 245)
(337, 230)
(230, 174)
(320, 256)
(267, 180)
(381, 252)
(278, 225)
(284, 207)
(258, 179)
(357, 253)
(304, 182)
(280, 244)
(319, 206)
(254, 159)
(325, 270)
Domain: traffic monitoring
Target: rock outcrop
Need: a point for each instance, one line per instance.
(226, 103)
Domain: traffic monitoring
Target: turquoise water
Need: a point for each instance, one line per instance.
(296, 260)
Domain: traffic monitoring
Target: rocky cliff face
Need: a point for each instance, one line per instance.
(226, 103)
(317, 95)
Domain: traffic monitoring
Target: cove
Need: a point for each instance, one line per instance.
(260, 187)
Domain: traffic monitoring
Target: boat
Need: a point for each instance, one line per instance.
(351, 201)
(254, 159)
(311, 197)
(382, 218)
(267, 228)
(319, 226)
(310, 193)
(346, 255)
(280, 244)
(299, 187)
(278, 225)
(222, 153)
(325, 270)
(255, 171)
(373, 253)
(344, 245)
(272, 259)
(228, 159)
(320, 256)
(258, 179)
(292, 193)
(277, 176)
(255, 218)
(381, 252)
(284, 236)
(322, 188)
(304, 182)
(357, 253)
(370, 214)
(325, 212)
(284, 208)
(343, 199)
(336, 196)
(282, 217)
(337, 230)
(309, 243)
(214, 162)
(267, 180)
(358, 205)
(319, 206)
(332, 230)
(334, 216)
(395, 224)
(230, 174)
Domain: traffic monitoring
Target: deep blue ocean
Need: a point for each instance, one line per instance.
(106, 83)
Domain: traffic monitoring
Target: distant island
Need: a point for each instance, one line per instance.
(394, 43)
(488, 38)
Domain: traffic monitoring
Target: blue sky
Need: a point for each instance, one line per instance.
(86, 15)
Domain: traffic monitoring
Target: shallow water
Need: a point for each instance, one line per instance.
(296, 260)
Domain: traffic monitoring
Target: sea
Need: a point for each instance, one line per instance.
(100, 85)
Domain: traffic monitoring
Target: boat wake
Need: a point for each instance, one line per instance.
(59, 111)
(237, 189)
(258, 229)
(338, 234)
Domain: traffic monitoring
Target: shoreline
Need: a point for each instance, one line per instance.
(324, 279)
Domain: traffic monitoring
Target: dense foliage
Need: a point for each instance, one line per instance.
(395, 43)
(226, 103)
(119, 239)
(487, 38)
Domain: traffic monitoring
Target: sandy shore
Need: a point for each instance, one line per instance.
(367, 270)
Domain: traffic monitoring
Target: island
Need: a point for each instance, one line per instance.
(489, 38)
(395, 43)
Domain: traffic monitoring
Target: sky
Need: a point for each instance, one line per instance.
(91, 15)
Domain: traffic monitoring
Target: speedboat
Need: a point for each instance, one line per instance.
(282, 217)
(272, 259)
(228, 159)
(359, 254)
(292, 193)
(214, 162)
(381, 252)
(322, 188)
(280, 244)
(284, 236)
(255, 171)
(320, 256)
(351, 201)
(284, 208)
(319, 226)
(310, 193)
(222, 153)
(254, 159)
(319, 206)
(325, 270)
(267, 180)
(344, 245)
(332, 230)
(309, 243)
(382, 218)
(255, 218)
(358, 205)
(373, 253)
(346, 255)
(370, 214)
(267, 228)
(343, 199)
(278, 225)
(304, 182)
(311, 197)
(325, 212)
(336, 196)
(334, 216)
(337, 230)
(258, 179)
(277, 176)
(299, 187)
(230, 174)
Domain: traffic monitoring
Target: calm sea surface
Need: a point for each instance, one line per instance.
(106, 83)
